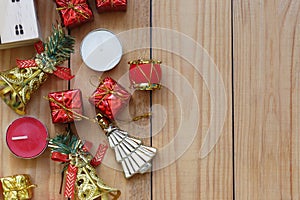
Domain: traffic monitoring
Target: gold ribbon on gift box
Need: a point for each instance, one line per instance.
(70, 113)
(112, 3)
(70, 5)
(17, 187)
(108, 92)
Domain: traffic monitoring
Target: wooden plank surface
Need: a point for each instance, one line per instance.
(42, 170)
(265, 80)
(266, 88)
(208, 23)
(136, 16)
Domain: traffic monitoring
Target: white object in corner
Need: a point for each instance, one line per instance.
(19, 25)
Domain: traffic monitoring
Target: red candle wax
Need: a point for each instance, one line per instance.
(26, 137)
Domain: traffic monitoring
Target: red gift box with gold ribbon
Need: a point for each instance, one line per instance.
(74, 12)
(110, 97)
(111, 5)
(66, 106)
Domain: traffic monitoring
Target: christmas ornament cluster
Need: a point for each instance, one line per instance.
(76, 12)
(18, 85)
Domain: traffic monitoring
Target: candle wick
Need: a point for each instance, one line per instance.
(21, 137)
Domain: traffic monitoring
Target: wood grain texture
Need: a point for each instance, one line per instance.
(44, 172)
(136, 16)
(266, 95)
(189, 177)
(266, 68)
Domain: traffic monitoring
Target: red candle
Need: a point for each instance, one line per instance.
(26, 137)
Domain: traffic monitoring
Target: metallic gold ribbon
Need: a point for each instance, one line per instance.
(112, 3)
(108, 92)
(68, 110)
(139, 117)
(70, 5)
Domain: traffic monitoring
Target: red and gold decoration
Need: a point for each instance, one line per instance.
(134, 157)
(18, 84)
(145, 74)
(111, 5)
(81, 180)
(110, 97)
(66, 106)
(74, 12)
(97, 160)
(17, 187)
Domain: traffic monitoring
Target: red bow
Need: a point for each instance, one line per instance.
(61, 72)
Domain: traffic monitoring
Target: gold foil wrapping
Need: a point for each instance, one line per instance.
(17, 187)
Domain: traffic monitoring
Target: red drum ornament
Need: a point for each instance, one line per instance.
(145, 74)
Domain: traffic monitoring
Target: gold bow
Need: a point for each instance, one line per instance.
(107, 92)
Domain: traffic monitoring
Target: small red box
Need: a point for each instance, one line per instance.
(110, 98)
(66, 106)
(111, 5)
(74, 12)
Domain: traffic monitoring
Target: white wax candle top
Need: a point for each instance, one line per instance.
(21, 137)
(101, 50)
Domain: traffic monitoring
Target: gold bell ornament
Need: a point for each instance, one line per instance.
(18, 84)
(81, 180)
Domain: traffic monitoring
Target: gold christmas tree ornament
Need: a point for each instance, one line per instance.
(130, 152)
(18, 84)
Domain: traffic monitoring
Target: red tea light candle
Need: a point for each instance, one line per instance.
(145, 74)
(26, 137)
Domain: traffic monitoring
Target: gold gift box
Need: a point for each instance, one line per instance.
(17, 187)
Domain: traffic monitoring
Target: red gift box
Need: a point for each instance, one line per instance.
(74, 12)
(145, 74)
(111, 5)
(110, 97)
(66, 106)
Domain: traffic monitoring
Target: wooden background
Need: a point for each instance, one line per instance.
(255, 45)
